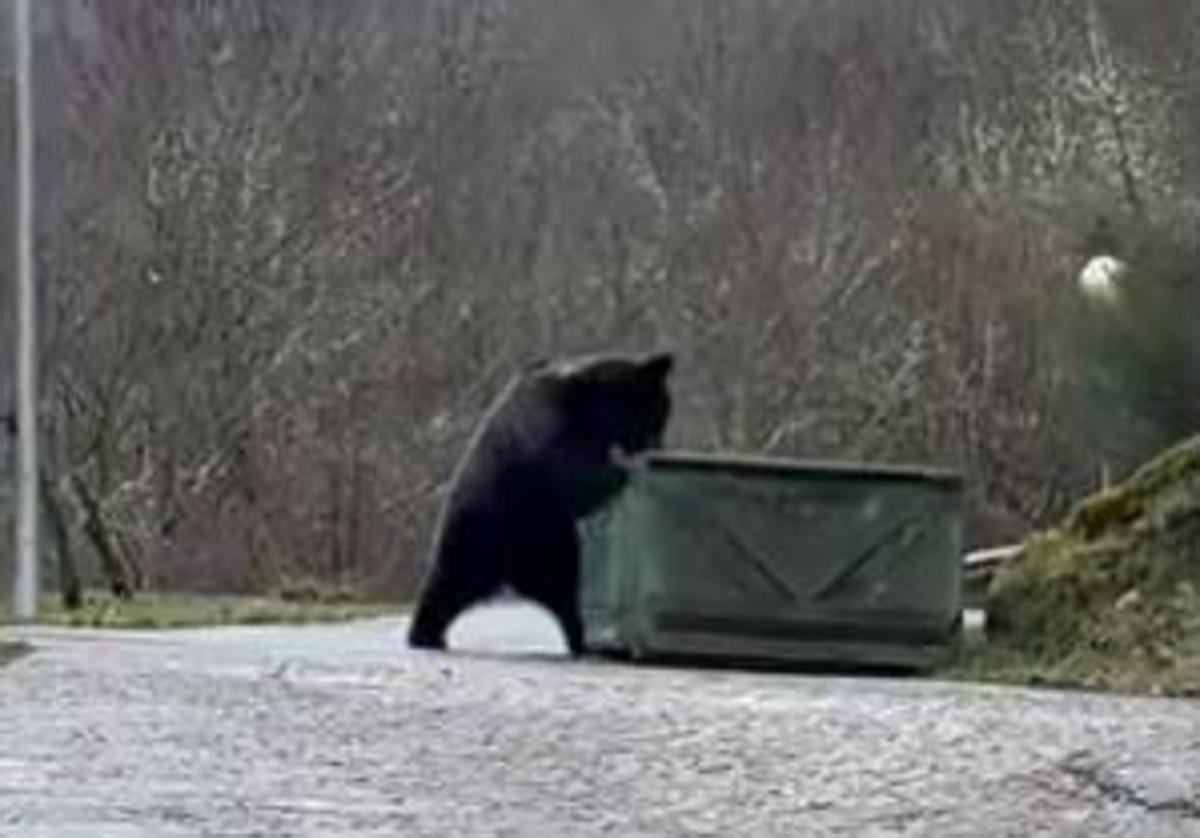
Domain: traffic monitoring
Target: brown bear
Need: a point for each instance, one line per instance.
(542, 458)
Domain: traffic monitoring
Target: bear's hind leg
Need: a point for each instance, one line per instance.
(551, 579)
(440, 605)
(461, 578)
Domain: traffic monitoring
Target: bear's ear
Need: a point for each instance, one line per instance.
(658, 365)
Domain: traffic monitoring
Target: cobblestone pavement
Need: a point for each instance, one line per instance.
(339, 730)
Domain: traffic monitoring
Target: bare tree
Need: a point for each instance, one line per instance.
(300, 243)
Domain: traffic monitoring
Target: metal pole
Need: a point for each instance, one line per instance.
(25, 589)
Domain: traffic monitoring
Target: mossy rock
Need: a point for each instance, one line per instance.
(1110, 597)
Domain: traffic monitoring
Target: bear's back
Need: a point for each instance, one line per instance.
(515, 433)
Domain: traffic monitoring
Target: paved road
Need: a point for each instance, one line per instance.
(339, 731)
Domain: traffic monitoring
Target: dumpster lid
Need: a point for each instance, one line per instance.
(748, 464)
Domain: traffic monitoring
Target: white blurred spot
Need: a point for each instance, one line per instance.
(507, 626)
(1099, 277)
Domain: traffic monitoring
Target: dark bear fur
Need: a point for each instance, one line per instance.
(541, 459)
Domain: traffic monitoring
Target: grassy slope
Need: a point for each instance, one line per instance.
(1108, 599)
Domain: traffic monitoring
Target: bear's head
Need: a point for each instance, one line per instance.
(616, 400)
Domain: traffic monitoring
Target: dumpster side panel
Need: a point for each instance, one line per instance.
(779, 564)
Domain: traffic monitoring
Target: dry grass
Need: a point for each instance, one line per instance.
(181, 610)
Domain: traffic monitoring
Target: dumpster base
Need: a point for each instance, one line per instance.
(785, 644)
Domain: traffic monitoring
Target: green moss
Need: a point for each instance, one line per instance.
(1109, 599)
(1106, 512)
(1165, 481)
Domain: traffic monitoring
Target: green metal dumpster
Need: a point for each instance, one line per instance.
(776, 562)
